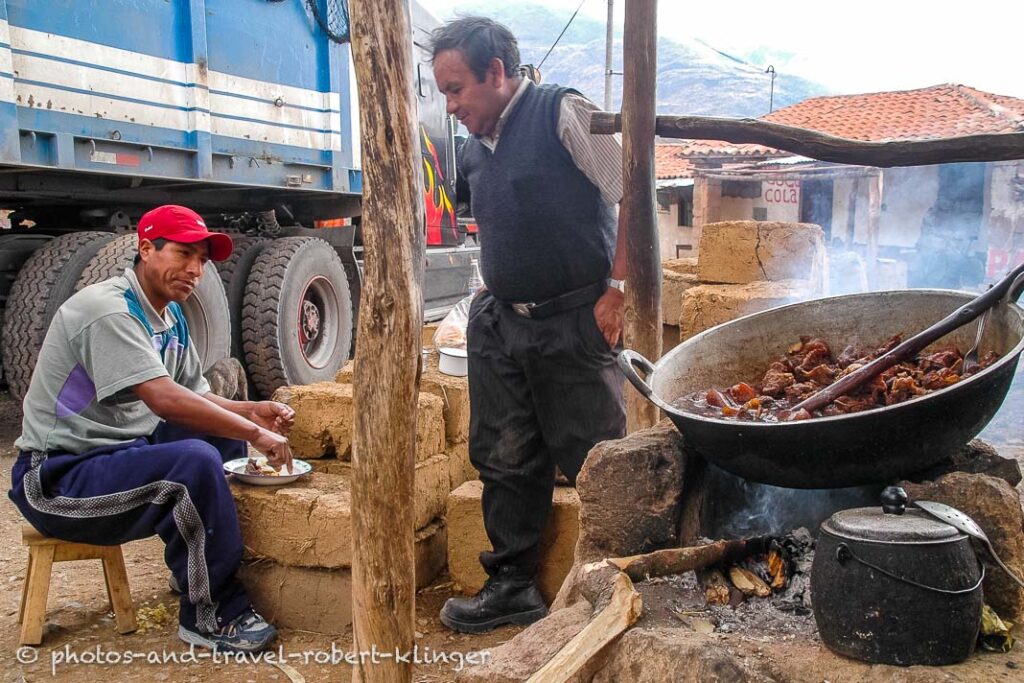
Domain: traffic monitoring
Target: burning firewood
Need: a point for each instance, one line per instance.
(777, 566)
(716, 587)
(748, 582)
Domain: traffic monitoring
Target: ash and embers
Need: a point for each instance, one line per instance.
(723, 600)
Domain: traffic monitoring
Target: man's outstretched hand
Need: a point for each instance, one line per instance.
(277, 417)
(275, 447)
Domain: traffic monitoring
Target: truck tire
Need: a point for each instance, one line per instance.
(14, 251)
(44, 283)
(206, 311)
(297, 317)
(234, 274)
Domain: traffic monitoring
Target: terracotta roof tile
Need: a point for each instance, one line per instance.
(670, 162)
(939, 111)
(675, 160)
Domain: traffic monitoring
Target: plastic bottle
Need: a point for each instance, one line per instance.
(476, 280)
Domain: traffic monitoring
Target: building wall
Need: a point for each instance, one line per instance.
(670, 233)
(1003, 226)
(907, 194)
(779, 199)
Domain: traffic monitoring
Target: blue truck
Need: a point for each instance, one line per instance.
(244, 110)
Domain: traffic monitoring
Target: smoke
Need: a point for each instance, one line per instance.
(737, 508)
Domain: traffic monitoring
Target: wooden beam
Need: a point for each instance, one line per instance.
(643, 293)
(387, 364)
(815, 145)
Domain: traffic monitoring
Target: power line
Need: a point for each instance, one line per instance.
(561, 34)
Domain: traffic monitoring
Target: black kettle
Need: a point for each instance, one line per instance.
(896, 586)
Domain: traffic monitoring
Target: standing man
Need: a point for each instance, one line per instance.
(122, 438)
(544, 387)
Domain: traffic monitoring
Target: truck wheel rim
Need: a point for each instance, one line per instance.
(317, 321)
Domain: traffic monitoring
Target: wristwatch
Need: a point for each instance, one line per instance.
(617, 284)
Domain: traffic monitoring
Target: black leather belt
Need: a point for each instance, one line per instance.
(564, 302)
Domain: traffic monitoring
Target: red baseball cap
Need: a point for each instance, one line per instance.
(181, 224)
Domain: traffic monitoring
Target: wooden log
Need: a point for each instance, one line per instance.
(748, 582)
(717, 590)
(678, 560)
(621, 612)
(643, 294)
(816, 145)
(388, 347)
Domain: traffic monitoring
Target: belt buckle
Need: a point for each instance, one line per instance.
(524, 310)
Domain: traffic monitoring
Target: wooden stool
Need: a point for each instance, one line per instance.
(43, 551)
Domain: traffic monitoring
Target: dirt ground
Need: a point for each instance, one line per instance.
(78, 621)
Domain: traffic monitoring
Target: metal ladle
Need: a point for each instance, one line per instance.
(955, 518)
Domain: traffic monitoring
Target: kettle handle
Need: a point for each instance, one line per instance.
(844, 554)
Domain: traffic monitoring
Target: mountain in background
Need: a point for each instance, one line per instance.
(694, 79)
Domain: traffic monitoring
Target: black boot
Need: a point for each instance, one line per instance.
(510, 596)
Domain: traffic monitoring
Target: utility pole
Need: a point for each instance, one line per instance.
(610, 37)
(771, 93)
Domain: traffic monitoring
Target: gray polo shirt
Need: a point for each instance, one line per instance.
(103, 341)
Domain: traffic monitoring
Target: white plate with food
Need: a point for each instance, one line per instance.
(257, 471)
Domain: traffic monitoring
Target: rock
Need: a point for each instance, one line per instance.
(740, 252)
(460, 469)
(467, 538)
(995, 506)
(431, 482)
(977, 457)
(706, 306)
(530, 649)
(683, 266)
(346, 373)
(305, 524)
(630, 493)
(431, 552)
(672, 287)
(320, 600)
(310, 599)
(323, 421)
(454, 394)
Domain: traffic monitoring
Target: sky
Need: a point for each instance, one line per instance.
(850, 47)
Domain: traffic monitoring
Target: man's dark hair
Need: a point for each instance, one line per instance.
(480, 40)
(159, 243)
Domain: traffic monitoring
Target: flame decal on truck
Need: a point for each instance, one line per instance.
(440, 212)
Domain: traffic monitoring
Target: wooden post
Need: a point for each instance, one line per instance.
(387, 364)
(643, 294)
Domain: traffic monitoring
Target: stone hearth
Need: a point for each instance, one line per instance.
(645, 493)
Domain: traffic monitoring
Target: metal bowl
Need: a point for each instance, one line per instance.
(873, 446)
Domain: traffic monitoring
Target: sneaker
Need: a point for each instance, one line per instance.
(509, 597)
(248, 632)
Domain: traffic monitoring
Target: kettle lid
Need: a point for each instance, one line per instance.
(892, 523)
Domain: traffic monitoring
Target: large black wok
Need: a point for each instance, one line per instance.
(861, 448)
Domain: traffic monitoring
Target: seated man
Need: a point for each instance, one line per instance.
(122, 438)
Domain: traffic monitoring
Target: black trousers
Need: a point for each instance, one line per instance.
(542, 392)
